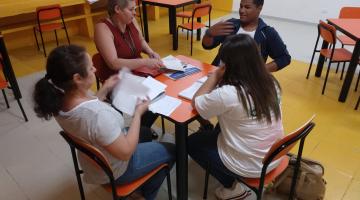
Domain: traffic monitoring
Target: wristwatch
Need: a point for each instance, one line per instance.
(207, 33)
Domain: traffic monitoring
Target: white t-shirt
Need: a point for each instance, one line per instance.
(250, 33)
(99, 124)
(243, 141)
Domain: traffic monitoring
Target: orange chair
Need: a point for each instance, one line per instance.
(48, 18)
(4, 84)
(98, 158)
(335, 55)
(200, 10)
(278, 150)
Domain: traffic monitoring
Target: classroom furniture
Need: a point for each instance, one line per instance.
(9, 80)
(351, 28)
(200, 10)
(335, 55)
(278, 150)
(19, 16)
(46, 17)
(98, 158)
(181, 117)
(138, 14)
(171, 5)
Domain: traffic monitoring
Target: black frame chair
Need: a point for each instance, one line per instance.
(52, 13)
(278, 150)
(95, 155)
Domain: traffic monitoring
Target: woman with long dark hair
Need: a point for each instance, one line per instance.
(64, 94)
(245, 98)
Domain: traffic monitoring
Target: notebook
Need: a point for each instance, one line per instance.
(188, 70)
(189, 92)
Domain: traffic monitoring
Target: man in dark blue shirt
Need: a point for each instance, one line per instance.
(267, 37)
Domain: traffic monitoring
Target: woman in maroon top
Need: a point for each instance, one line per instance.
(119, 39)
(120, 43)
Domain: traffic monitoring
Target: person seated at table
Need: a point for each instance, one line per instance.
(120, 43)
(64, 94)
(267, 38)
(245, 98)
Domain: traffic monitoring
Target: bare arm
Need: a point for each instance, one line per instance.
(209, 84)
(145, 46)
(271, 66)
(124, 146)
(107, 87)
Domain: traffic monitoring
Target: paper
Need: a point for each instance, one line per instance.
(173, 63)
(92, 1)
(189, 92)
(188, 70)
(131, 88)
(164, 105)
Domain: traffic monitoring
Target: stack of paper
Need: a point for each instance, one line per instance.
(173, 63)
(131, 89)
(189, 92)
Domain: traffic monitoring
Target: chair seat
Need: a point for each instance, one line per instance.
(254, 182)
(184, 14)
(127, 189)
(49, 27)
(340, 54)
(345, 40)
(3, 83)
(188, 26)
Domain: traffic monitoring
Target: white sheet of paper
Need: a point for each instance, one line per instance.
(203, 79)
(155, 87)
(173, 63)
(189, 92)
(170, 102)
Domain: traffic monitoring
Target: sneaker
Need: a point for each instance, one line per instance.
(237, 191)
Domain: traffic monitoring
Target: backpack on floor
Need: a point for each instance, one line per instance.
(310, 184)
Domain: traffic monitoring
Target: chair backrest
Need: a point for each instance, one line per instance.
(103, 72)
(89, 150)
(350, 12)
(201, 10)
(327, 32)
(283, 146)
(48, 13)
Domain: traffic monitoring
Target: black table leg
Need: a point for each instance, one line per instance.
(181, 133)
(172, 24)
(350, 72)
(145, 20)
(321, 60)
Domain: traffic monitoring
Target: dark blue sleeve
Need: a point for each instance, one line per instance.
(277, 49)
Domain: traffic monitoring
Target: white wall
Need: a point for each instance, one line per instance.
(303, 10)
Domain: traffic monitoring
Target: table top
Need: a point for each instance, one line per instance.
(185, 111)
(13, 7)
(168, 2)
(349, 26)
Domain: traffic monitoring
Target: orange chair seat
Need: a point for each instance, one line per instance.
(254, 182)
(184, 14)
(340, 54)
(189, 26)
(127, 189)
(3, 83)
(345, 40)
(50, 27)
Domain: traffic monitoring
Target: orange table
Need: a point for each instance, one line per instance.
(171, 5)
(351, 28)
(181, 117)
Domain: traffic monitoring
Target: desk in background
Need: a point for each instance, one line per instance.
(351, 28)
(171, 5)
(181, 117)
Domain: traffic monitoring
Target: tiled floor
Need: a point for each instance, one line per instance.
(35, 162)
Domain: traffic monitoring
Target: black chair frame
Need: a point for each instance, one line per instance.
(258, 191)
(103, 166)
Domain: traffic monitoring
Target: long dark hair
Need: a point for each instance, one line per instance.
(62, 63)
(245, 69)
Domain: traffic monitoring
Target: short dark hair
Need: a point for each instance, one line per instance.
(245, 70)
(62, 63)
(258, 2)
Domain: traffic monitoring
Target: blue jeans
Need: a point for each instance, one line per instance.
(202, 147)
(148, 156)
